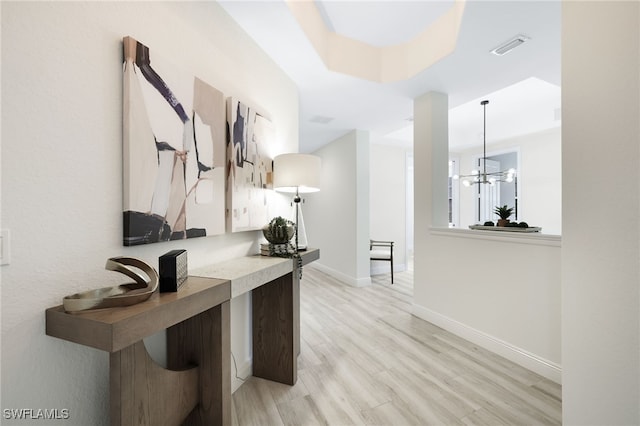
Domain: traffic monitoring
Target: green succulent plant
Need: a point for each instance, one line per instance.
(279, 230)
(503, 212)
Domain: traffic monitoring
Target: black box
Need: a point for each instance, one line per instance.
(173, 270)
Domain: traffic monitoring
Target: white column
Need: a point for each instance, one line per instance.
(600, 213)
(431, 169)
(431, 156)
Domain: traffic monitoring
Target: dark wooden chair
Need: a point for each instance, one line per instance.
(382, 250)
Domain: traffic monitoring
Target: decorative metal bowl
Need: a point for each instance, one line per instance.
(117, 296)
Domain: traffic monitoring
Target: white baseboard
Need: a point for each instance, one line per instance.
(544, 367)
(354, 282)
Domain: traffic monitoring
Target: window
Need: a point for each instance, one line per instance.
(500, 193)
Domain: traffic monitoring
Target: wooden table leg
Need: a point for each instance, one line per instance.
(144, 393)
(276, 330)
(296, 312)
(205, 341)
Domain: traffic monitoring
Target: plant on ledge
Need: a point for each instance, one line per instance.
(503, 212)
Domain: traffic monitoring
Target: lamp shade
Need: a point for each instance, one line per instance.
(296, 173)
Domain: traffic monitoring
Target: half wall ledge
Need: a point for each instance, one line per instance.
(534, 238)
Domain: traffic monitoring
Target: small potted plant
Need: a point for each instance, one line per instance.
(279, 230)
(503, 212)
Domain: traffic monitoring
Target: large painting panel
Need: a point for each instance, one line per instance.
(173, 151)
(249, 175)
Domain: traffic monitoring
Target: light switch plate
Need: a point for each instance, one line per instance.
(5, 247)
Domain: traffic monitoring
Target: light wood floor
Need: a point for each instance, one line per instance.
(365, 360)
(402, 282)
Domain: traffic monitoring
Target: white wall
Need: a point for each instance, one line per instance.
(337, 217)
(501, 292)
(388, 202)
(62, 172)
(601, 213)
(539, 180)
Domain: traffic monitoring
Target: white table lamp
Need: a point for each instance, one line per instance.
(297, 174)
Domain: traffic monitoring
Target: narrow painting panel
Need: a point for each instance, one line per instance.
(249, 168)
(173, 151)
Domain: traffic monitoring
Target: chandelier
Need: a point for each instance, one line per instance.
(481, 176)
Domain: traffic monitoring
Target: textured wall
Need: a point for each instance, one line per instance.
(62, 172)
(600, 261)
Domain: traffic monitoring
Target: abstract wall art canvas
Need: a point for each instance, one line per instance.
(174, 157)
(249, 169)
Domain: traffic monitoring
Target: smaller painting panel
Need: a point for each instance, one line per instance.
(249, 170)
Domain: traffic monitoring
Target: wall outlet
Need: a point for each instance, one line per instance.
(5, 248)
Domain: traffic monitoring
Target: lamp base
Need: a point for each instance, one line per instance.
(301, 233)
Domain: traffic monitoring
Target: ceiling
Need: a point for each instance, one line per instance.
(523, 86)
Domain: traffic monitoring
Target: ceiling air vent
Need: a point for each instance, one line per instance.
(508, 46)
(320, 119)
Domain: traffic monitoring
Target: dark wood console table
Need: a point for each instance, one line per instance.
(275, 300)
(195, 388)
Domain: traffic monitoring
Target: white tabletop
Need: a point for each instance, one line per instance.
(247, 273)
